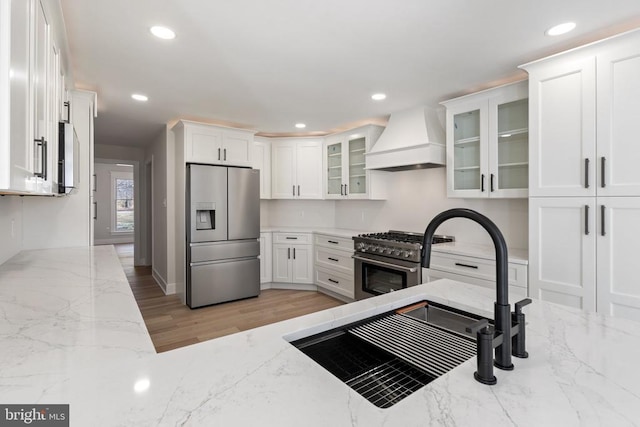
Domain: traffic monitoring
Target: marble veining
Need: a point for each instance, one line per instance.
(75, 336)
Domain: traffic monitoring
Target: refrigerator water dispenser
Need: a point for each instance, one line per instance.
(205, 216)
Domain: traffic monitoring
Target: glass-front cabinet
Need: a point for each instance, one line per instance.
(487, 143)
(346, 176)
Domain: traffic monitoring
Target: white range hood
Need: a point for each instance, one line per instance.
(413, 139)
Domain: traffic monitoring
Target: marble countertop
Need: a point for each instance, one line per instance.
(340, 232)
(71, 333)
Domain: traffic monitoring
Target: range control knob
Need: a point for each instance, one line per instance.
(360, 246)
(397, 252)
(408, 254)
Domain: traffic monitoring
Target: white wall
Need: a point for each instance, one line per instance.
(156, 152)
(293, 213)
(55, 222)
(415, 197)
(10, 226)
(103, 233)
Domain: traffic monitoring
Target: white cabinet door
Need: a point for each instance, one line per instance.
(281, 263)
(283, 160)
(467, 153)
(236, 148)
(618, 248)
(266, 259)
(40, 85)
(309, 169)
(562, 113)
(204, 145)
(261, 159)
(16, 139)
(302, 264)
(562, 250)
(618, 114)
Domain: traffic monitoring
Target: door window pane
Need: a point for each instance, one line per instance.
(124, 204)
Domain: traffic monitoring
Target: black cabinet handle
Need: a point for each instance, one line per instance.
(293, 187)
(225, 154)
(288, 253)
(602, 181)
(95, 211)
(345, 190)
(482, 183)
(492, 189)
(42, 143)
(586, 173)
(333, 259)
(333, 281)
(467, 265)
(298, 190)
(95, 182)
(294, 253)
(218, 154)
(67, 104)
(602, 209)
(586, 220)
(332, 241)
(341, 190)
(291, 238)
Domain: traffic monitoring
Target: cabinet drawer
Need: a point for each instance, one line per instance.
(292, 238)
(337, 283)
(335, 260)
(333, 242)
(484, 269)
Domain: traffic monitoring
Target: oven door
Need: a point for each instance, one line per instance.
(375, 275)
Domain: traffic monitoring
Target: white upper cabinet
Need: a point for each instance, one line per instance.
(487, 143)
(345, 176)
(618, 147)
(296, 168)
(262, 161)
(29, 66)
(562, 100)
(215, 145)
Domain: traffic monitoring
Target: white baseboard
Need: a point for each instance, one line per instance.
(113, 240)
(167, 288)
(335, 295)
(292, 286)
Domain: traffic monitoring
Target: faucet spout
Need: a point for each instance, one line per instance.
(502, 309)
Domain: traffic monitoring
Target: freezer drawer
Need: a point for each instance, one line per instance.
(216, 251)
(221, 281)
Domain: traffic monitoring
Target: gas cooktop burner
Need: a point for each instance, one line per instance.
(395, 244)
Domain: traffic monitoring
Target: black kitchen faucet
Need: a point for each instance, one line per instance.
(506, 340)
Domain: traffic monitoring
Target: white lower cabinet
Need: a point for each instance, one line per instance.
(292, 262)
(266, 258)
(333, 264)
(583, 253)
(476, 271)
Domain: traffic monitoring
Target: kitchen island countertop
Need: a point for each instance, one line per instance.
(75, 336)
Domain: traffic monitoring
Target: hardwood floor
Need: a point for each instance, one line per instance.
(172, 325)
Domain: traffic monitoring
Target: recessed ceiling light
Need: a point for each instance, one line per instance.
(560, 29)
(378, 96)
(163, 32)
(301, 125)
(142, 385)
(139, 97)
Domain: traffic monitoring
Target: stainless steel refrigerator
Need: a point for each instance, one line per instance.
(223, 228)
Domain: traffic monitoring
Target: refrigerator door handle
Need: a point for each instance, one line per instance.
(221, 261)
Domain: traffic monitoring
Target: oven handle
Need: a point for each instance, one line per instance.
(386, 264)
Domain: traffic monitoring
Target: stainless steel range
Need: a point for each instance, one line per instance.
(387, 262)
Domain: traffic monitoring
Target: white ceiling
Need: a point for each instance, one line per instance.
(267, 65)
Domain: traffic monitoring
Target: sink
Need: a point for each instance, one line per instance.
(387, 357)
(442, 316)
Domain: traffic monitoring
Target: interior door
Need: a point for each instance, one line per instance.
(244, 203)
